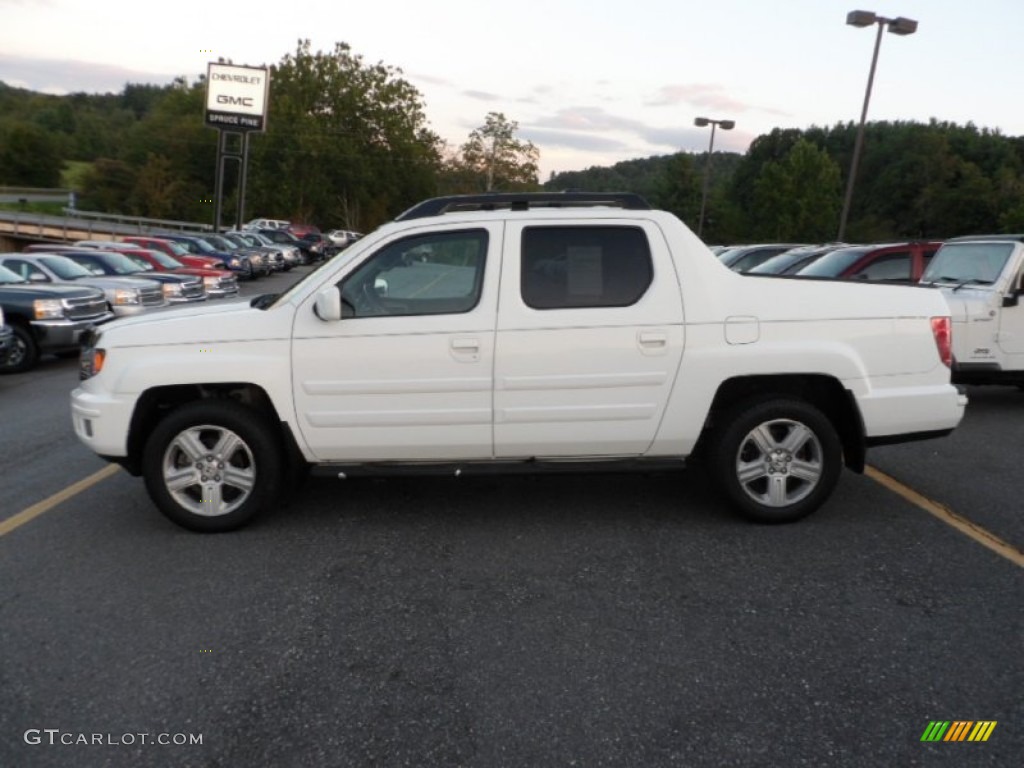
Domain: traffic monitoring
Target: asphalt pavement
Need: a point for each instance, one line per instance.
(591, 620)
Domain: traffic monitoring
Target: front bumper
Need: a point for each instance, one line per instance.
(61, 335)
(102, 421)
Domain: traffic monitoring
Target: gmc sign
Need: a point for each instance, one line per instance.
(236, 97)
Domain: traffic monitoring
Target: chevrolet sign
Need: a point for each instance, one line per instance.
(236, 97)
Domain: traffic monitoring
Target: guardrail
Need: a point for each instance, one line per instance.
(33, 191)
(139, 221)
(74, 225)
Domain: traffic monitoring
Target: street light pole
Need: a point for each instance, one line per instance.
(700, 122)
(898, 26)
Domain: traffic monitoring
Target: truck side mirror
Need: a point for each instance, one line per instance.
(328, 304)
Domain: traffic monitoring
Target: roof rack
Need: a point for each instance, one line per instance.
(522, 201)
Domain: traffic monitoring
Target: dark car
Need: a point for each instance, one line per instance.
(237, 263)
(287, 238)
(46, 317)
(744, 257)
(889, 262)
(792, 261)
(6, 340)
(178, 289)
(164, 256)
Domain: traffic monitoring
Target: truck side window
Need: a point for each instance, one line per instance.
(584, 266)
(434, 274)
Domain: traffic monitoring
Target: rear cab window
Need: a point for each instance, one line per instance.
(576, 267)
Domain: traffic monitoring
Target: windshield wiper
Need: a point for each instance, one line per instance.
(970, 281)
(960, 283)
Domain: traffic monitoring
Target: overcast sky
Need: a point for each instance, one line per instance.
(590, 82)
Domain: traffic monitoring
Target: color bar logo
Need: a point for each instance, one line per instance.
(958, 730)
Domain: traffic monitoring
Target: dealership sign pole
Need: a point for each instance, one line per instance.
(236, 105)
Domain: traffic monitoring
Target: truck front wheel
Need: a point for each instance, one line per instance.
(24, 350)
(212, 465)
(777, 460)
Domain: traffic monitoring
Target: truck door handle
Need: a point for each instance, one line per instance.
(466, 345)
(653, 339)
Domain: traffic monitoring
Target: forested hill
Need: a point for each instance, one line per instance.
(349, 145)
(916, 180)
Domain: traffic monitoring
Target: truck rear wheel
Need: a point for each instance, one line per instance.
(777, 460)
(212, 465)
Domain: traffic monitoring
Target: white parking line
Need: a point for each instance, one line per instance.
(948, 516)
(31, 513)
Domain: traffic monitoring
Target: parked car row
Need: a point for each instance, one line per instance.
(328, 245)
(981, 276)
(52, 293)
(903, 262)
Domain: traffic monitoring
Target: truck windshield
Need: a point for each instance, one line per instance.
(959, 262)
(65, 268)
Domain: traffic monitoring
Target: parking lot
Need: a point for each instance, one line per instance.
(599, 620)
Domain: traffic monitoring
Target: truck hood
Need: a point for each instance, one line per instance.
(222, 322)
(970, 304)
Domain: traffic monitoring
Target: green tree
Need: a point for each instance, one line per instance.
(29, 157)
(346, 142)
(678, 189)
(798, 197)
(108, 185)
(497, 159)
(157, 190)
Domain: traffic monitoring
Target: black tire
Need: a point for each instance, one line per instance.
(790, 434)
(24, 352)
(252, 457)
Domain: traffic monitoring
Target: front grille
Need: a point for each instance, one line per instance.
(87, 308)
(152, 297)
(193, 290)
(228, 284)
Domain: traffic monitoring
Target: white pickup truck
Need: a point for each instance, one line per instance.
(512, 332)
(983, 280)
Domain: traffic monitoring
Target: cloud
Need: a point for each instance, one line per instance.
(710, 95)
(593, 128)
(431, 79)
(69, 76)
(588, 119)
(571, 140)
(482, 95)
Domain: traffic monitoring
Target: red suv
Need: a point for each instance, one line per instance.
(176, 250)
(891, 262)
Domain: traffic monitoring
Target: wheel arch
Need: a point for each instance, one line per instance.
(157, 402)
(822, 391)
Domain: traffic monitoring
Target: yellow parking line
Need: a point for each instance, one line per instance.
(31, 513)
(948, 516)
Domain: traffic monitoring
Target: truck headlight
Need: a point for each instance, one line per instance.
(171, 290)
(211, 283)
(235, 262)
(90, 362)
(123, 296)
(48, 309)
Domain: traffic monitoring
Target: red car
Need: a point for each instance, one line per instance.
(891, 262)
(303, 229)
(218, 282)
(177, 250)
